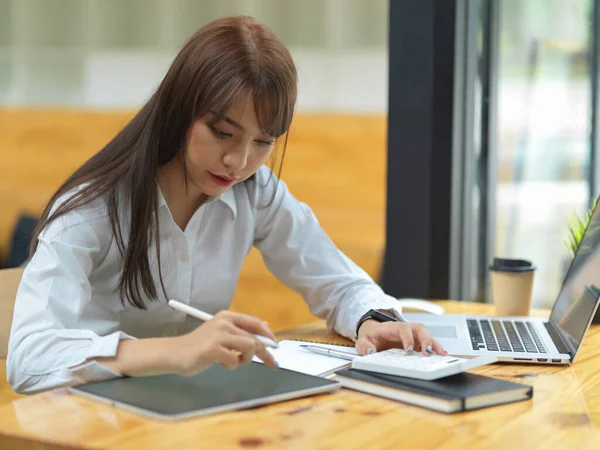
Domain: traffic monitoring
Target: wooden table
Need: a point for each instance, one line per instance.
(564, 413)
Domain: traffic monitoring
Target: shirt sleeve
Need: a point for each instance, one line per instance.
(47, 348)
(299, 253)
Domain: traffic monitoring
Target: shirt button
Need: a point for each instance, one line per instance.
(184, 257)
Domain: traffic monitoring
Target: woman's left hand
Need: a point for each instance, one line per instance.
(376, 336)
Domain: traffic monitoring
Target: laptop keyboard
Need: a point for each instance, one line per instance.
(504, 335)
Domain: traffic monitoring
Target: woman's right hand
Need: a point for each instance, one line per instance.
(226, 339)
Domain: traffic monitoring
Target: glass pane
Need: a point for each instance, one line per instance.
(50, 24)
(113, 53)
(364, 23)
(122, 25)
(53, 79)
(5, 76)
(298, 24)
(5, 23)
(543, 133)
(187, 16)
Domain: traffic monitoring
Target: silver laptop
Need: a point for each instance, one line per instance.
(526, 339)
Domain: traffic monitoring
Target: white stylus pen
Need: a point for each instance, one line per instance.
(205, 316)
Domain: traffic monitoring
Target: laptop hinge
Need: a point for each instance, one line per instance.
(557, 338)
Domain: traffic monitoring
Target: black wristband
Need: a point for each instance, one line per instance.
(375, 315)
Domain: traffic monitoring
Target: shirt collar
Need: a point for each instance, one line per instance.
(227, 197)
(161, 198)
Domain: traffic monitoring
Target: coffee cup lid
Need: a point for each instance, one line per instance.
(512, 265)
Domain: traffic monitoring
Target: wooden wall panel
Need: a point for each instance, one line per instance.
(9, 282)
(334, 163)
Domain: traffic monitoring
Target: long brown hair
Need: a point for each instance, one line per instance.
(221, 64)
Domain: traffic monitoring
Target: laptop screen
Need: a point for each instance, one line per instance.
(580, 291)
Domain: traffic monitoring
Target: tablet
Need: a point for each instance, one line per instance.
(217, 389)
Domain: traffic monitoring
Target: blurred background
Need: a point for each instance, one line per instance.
(72, 72)
(112, 53)
(543, 132)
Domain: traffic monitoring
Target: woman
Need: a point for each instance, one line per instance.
(169, 209)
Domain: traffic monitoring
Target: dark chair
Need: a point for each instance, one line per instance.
(18, 251)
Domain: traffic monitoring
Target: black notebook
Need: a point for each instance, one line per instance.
(460, 392)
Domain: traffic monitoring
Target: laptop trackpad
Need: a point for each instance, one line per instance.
(442, 332)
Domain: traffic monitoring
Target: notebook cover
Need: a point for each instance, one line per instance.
(461, 386)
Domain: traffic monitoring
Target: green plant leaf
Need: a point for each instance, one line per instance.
(577, 229)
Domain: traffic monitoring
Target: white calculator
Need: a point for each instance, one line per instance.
(397, 362)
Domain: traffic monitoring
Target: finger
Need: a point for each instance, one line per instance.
(364, 346)
(228, 358)
(424, 338)
(260, 350)
(244, 345)
(407, 337)
(246, 357)
(248, 323)
(395, 334)
(437, 348)
(265, 325)
(266, 356)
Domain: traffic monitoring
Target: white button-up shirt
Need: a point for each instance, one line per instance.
(68, 309)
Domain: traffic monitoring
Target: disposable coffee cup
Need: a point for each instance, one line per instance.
(512, 285)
